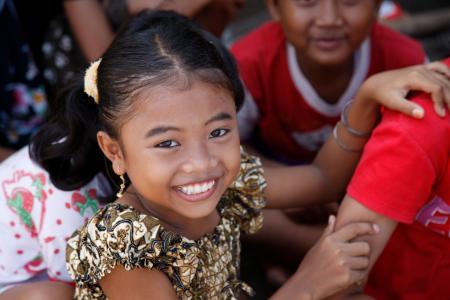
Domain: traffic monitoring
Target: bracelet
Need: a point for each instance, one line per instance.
(341, 144)
(344, 120)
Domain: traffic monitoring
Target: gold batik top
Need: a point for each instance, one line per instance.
(207, 268)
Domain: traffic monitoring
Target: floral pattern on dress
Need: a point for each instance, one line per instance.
(207, 268)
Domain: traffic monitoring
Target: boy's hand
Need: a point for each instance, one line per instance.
(390, 88)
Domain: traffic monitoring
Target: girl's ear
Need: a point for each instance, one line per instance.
(272, 6)
(111, 149)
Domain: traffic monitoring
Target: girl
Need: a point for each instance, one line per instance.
(187, 189)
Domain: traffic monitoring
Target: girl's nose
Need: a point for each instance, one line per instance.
(199, 159)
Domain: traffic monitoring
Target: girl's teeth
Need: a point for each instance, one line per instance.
(197, 188)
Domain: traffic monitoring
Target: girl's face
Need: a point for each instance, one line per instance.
(181, 149)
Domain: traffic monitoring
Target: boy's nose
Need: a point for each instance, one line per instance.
(328, 14)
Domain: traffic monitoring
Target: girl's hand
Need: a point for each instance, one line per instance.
(390, 88)
(336, 262)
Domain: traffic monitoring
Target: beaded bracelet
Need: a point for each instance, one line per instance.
(344, 120)
(340, 143)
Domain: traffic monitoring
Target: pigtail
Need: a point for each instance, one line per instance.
(66, 146)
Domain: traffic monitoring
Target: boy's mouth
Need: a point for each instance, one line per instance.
(328, 43)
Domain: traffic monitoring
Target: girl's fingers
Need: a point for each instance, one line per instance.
(356, 248)
(357, 276)
(358, 263)
(353, 230)
(330, 227)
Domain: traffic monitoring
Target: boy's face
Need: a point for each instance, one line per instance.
(327, 32)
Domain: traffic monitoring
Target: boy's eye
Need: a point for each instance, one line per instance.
(349, 2)
(305, 2)
(167, 144)
(218, 133)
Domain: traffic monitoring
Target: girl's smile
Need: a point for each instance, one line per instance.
(197, 191)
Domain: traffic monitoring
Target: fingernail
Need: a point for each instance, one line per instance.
(376, 228)
(331, 219)
(418, 113)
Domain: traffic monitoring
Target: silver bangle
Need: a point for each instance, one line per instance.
(344, 120)
(341, 144)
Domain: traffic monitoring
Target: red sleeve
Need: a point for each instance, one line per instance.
(401, 163)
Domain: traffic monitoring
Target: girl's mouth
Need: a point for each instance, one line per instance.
(197, 191)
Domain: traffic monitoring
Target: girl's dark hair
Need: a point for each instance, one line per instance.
(154, 48)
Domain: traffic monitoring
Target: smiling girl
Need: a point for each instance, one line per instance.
(159, 111)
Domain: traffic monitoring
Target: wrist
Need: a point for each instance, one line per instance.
(363, 113)
(296, 288)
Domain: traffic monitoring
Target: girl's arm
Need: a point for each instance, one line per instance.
(326, 178)
(137, 284)
(90, 27)
(93, 31)
(188, 8)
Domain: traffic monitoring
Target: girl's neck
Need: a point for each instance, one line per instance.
(329, 82)
(190, 228)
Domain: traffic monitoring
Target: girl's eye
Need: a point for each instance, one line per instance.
(167, 144)
(218, 133)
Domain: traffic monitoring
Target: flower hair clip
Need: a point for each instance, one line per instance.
(90, 80)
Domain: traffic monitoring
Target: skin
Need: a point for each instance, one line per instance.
(39, 291)
(325, 34)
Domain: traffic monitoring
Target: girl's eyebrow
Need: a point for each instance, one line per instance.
(219, 117)
(160, 130)
(163, 129)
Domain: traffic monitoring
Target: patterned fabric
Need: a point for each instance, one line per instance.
(62, 56)
(23, 101)
(207, 268)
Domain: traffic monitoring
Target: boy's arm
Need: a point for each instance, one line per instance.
(325, 180)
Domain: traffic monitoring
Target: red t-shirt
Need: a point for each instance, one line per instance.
(291, 120)
(404, 174)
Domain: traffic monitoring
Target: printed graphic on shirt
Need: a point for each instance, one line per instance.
(81, 203)
(24, 201)
(435, 216)
(34, 266)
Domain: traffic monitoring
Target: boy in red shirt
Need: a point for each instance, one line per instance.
(402, 183)
(302, 69)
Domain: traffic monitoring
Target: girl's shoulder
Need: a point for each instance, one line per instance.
(120, 234)
(244, 199)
